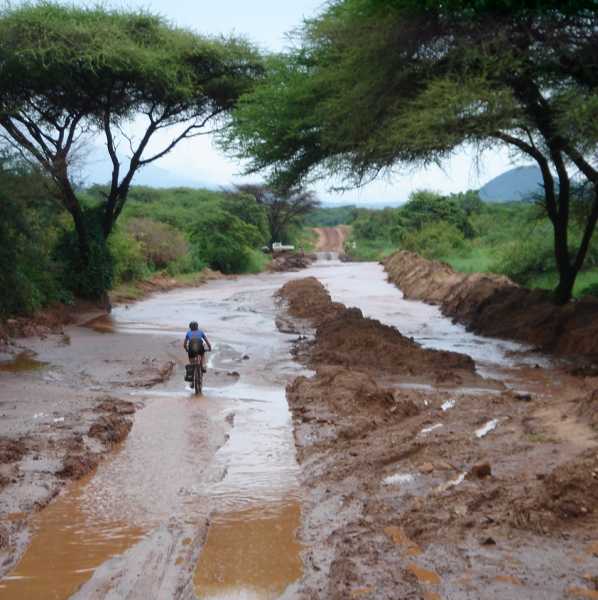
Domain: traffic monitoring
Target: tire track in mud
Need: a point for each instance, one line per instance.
(451, 492)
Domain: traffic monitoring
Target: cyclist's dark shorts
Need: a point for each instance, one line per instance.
(196, 352)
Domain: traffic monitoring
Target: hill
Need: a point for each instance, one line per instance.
(514, 185)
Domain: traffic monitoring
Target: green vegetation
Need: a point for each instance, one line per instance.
(372, 85)
(177, 231)
(93, 70)
(513, 239)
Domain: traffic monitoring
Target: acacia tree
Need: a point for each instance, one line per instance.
(283, 207)
(141, 84)
(377, 85)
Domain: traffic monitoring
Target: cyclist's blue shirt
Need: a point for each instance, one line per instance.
(198, 333)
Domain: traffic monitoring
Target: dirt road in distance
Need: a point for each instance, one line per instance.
(332, 239)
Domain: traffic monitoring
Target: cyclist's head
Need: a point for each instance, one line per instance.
(193, 326)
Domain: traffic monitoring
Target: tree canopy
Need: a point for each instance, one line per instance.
(129, 77)
(376, 85)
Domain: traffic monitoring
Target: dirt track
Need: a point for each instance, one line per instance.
(331, 239)
(495, 306)
(442, 491)
(204, 496)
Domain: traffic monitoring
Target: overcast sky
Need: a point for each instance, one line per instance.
(266, 23)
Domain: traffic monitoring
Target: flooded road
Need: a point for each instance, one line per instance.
(202, 500)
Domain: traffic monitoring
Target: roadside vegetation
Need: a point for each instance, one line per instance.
(512, 239)
(371, 86)
(175, 232)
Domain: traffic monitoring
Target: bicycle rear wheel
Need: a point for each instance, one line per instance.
(197, 379)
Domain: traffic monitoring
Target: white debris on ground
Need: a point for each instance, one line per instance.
(487, 428)
(448, 405)
(398, 478)
(431, 428)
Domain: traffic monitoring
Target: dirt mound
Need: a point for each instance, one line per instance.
(290, 261)
(115, 405)
(11, 450)
(568, 492)
(110, 429)
(493, 305)
(348, 392)
(344, 337)
(351, 340)
(77, 466)
(308, 299)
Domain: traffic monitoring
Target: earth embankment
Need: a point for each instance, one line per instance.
(435, 489)
(493, 305)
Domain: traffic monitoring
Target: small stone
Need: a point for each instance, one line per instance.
(488, 541)
(523, 397)
(480, 471)
(245, 356)
(426, 468)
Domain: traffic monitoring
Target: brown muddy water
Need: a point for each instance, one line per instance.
(226, 459)
(22, 362)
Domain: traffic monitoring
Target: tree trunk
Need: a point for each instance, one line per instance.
(564, 289)
(567, 272)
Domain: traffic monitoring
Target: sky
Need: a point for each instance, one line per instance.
(266, 23)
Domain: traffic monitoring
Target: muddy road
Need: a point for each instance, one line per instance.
(331, 239)
(234, 495)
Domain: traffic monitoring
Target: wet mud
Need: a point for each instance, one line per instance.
(430, 491)
(418, 460)
(495, 306)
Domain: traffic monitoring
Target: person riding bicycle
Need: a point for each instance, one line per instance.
(194, 344)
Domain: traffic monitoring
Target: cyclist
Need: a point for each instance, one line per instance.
(194, 344)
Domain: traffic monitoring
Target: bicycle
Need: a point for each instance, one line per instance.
(197, 380)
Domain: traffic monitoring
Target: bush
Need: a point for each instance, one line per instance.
(87, 280)
(589, 290)
(127, 255)
(435, 240)
(161, 244)
(224, 241)
(525, 257)
(29, 225)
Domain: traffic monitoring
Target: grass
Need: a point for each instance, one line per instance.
(479, 260)
(370, 250)
(257, 261)
(307, 239)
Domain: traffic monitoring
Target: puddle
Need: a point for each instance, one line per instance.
(21, 363)
(251, 554)
(398, 536)
(424, 575)
(67, 546)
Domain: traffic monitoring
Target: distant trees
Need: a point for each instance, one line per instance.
(377, 85)
(284, 208)
(71, 73)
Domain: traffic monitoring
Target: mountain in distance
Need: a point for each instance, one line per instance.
(514, 185)
(96, 169)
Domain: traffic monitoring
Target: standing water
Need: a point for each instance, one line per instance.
(138, 526)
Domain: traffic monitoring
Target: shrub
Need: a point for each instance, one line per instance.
(127, 255)
(161, 244)
(224, 242)
(435, 240)
(525, 257)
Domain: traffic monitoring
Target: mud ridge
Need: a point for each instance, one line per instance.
(493, 305)
(440, 494)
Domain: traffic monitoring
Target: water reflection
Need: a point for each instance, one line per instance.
(250, 554)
